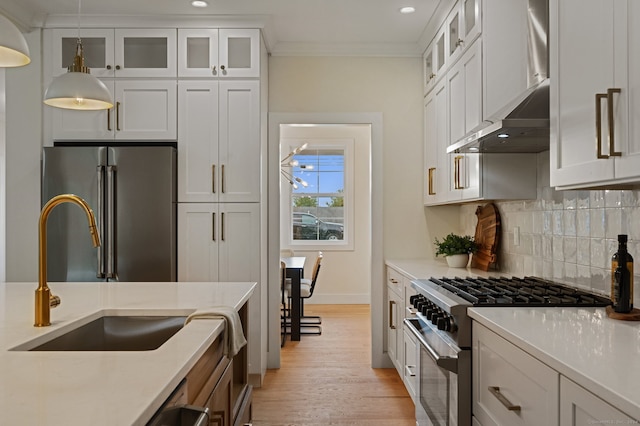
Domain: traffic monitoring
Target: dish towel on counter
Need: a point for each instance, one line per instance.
(234, 335)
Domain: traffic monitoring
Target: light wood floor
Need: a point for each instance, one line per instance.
(328, 379)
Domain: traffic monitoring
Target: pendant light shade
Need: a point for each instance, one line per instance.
(14, 51)
(78, 89)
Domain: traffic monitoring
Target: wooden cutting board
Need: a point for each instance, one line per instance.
(487, 236)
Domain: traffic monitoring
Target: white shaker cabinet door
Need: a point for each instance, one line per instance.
(578, 406)
(198, 164)
(198, 236)
(239, 242)
(582, 59)
(146, 110)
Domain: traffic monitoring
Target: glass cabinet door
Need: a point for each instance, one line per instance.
(471, 20)
(239, 53)
(428, 69)
(454, 25)
(145, 52)
(97, 45)
(198, 53)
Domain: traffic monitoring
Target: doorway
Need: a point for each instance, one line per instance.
(350, 271)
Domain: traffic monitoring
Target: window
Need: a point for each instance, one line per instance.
(318, 196)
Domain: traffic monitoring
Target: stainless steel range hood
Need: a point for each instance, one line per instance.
(523, 125)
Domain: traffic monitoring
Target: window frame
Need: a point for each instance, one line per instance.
(286, 190)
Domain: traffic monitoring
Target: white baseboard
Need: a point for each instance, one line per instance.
(338, 299)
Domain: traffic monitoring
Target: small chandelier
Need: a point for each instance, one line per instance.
(289, 162)
(78, 89)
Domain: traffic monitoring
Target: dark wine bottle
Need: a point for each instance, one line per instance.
(622, 277)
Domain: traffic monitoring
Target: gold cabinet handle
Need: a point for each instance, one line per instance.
(431, 172)
(214, 70)
(611, 120)
(456, 172)
(118, 116)
(393, 281)
(213, 226)
(223, 183)
(391, 324)
(495, 391)
(599, 98)
(222, 226)
(109, 119)
(213, 178)
(459, 42)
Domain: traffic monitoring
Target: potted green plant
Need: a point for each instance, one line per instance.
(456, 249)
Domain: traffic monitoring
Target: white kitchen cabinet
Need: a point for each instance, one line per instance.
(578, 406)
(219, 141)
(510, 387)
(410, 357)
(122, 52)
(395, 306)
(218, 242)
(464, 81)
(436, 185)
(595, 120)
(428, 68)
(143, 110)
(463, 26)
(219, 53)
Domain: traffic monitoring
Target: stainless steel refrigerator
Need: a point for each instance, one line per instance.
(132, 191)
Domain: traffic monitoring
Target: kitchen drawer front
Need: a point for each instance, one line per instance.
(395, 281)
(505, 377)
(578, 406)
(410, 367)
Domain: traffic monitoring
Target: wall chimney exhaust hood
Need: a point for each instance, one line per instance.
(523, 125)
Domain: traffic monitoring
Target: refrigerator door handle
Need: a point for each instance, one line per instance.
(111, 267)
(100, 172)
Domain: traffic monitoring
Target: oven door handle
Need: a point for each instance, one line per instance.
(449, 363)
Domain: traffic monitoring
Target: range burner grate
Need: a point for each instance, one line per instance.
(527, 291)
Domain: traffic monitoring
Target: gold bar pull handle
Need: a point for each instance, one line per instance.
(213, 178)
(495, 391)
(118, 116)
(213, 226)
(431, 172)
(391, 324)
(223, 183)
(611, 119)
(456, 171)
(109, 119)
(222, 226)
(599, 98)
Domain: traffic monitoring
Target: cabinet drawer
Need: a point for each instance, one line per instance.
(410, 356)
(510, 387)
(394, 281)
(578, 406)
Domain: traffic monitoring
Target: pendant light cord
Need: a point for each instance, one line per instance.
(79, 9)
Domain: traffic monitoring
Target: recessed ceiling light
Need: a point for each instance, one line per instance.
(503, 135)
(199, 3)
(408, 9)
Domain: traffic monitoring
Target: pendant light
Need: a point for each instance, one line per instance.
(78, 89)
(14, 51)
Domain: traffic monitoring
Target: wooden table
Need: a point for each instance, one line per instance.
(294, 269)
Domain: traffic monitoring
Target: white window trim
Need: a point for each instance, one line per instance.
(286, 237)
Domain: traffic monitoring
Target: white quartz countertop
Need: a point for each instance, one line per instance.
(101, 388)
(583, 344)
(426, 268)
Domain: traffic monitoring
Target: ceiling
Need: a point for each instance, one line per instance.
(348, 27)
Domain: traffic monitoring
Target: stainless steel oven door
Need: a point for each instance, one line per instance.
(444, 378)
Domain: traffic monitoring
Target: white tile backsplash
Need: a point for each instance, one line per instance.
(566, 235)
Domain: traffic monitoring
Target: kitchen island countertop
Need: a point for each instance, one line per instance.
(101, 388)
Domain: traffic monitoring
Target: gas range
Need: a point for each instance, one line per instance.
(443, 302)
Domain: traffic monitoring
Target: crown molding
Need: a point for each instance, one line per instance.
(150, 21)
(347, 49)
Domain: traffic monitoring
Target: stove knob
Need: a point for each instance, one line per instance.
(424, 309)
(414, 299)
(435, 317)
(430, 312)
(444, 323)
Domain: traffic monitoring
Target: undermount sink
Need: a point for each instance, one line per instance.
(114, 333)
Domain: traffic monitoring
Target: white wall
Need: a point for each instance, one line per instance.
(23, 146)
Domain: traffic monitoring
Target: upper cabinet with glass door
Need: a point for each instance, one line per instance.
(219, 53)
(463, 26)
(121, 52)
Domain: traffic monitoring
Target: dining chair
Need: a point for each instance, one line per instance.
(310, 324)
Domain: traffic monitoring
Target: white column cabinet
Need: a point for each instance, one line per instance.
(587, 149)
(122, 52)
(143, 110)
(219, 242)
(219, 141)
(436, 165)
(219, 53)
